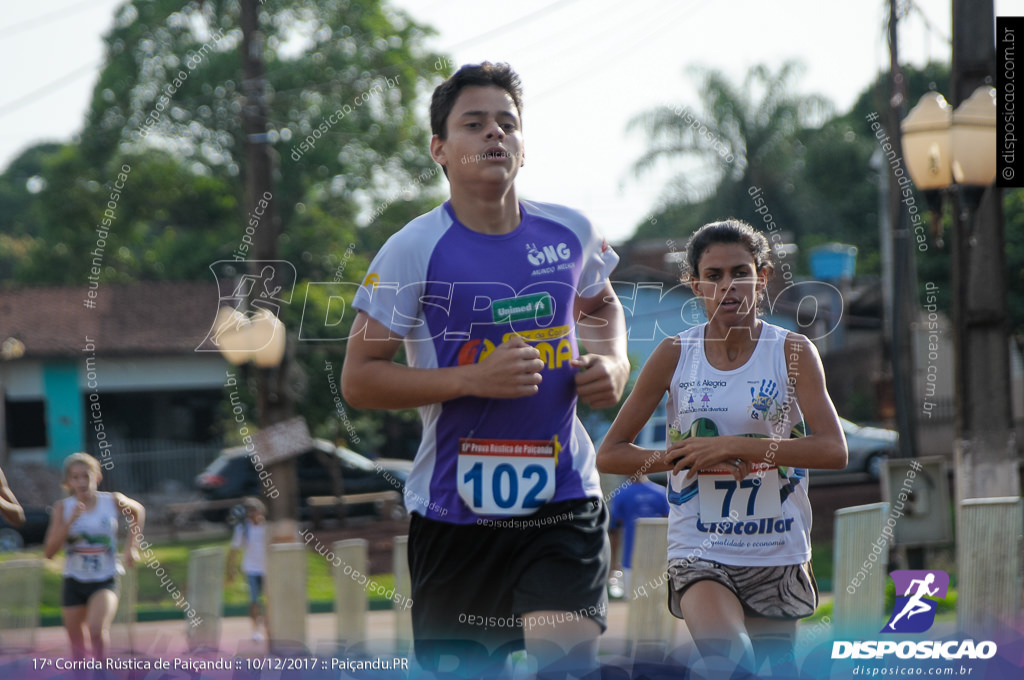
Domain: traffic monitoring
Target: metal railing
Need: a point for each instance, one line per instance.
(154, 466)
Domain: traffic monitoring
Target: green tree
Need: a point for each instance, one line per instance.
(343, 79)
(344, 86)
(741, 137)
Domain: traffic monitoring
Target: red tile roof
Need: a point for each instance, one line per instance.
(141, 318)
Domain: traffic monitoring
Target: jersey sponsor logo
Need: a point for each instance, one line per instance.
(699, 399)
(537, 306)
(712, 384)
(764, 525)
(553, 354)
(549, 254)
(912, 612)
(699, 395)
(474, 351)
(372, 280)
(549, 259)
(764, 403)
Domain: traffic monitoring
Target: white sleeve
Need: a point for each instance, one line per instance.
(392, 291)
(393, 287)
(599, 260)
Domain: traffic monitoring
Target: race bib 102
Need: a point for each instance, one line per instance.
(507, 476)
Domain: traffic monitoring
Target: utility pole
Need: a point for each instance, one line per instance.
(985, 450)
(904, 279)
(272, 393)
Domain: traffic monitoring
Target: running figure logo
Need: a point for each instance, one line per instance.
(912, 613)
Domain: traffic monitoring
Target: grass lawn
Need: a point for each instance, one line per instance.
(174, 559)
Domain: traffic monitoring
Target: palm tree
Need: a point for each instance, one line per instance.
(741, 137)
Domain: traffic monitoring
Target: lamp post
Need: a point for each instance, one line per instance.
(953, 152)
(260, 339)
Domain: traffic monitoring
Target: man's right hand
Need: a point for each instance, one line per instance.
(511, 371)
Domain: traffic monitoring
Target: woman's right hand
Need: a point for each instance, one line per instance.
(77, 512)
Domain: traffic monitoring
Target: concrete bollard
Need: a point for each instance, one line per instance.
(286, 598)
(649, 624)
(122, 632)
(860, 571)
(350, 598)
(403, 588)
(21, 587)
(206, 567)
(989, 561)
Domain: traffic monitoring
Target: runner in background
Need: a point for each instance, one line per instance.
(85, 524)
(489, 294)
(742, 393)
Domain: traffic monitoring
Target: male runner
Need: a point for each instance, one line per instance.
(507, 542)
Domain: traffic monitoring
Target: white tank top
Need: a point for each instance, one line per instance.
(738, 523)
(91, 546)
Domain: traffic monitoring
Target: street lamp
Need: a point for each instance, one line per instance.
(953, 153)
(259, 339)
(945, 148)
(974, 139)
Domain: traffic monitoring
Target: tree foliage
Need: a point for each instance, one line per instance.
(346, 84)
(740, 137)
(813, 165)
(343, 77)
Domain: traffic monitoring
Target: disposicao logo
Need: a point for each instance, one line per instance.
(912, 613)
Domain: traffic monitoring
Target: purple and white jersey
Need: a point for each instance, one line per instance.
(455, 294)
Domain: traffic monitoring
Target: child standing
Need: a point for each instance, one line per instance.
(250, 540)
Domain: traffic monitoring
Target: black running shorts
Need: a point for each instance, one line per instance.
(474, 586)
(75, 593)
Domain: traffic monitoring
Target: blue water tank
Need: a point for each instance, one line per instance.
(833, 261)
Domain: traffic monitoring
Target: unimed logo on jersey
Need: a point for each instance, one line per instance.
(913, 611)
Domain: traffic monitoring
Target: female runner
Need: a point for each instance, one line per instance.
(743, 394)
(85, 524)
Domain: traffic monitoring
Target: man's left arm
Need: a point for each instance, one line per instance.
(604, 369)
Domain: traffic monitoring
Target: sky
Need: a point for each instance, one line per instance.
(588, 67)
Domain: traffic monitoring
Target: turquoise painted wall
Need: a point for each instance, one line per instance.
(65, 411)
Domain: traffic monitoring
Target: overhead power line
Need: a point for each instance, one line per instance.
(45, 19)
(47, 89)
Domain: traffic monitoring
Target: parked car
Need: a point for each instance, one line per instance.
(868, 447)
(319, 470)
(32, 532)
